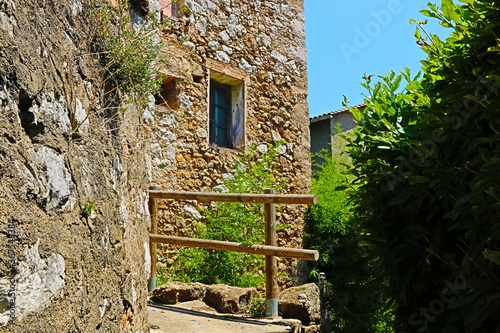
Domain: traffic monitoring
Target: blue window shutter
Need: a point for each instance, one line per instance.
(220, 114)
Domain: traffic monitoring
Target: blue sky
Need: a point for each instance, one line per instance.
(346, 39)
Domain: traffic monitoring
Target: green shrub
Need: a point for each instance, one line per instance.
(258, 306)
(235, 222)
(426, 167)
(354, 296)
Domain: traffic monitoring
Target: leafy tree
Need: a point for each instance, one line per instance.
(353, 294)
(427, 173)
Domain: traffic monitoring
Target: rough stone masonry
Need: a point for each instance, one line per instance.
(68, 269)
(61, 269)
(257, 50)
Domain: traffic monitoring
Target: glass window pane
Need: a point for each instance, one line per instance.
(220, 116)
(220, 97)
(220, 136)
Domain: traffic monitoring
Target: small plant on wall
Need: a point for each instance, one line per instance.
(130, 51)
(126, 48)
(88, 208)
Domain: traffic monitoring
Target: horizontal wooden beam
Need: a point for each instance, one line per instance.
(237, 247)
(307, 199)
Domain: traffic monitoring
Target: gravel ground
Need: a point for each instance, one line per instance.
(197, 317)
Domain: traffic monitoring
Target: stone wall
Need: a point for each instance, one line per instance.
(260, 45)
(69, 271)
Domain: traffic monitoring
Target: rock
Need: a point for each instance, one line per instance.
(311, 329)
(58, 177)
(301, 303)
(226, 299)
(295, 325)
(192, 211)
(174, 292)
(222, 56)
(38, 282)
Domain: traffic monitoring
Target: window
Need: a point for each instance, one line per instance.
(220, 114)
(226, 105)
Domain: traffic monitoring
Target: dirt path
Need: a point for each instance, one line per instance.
(197, 317)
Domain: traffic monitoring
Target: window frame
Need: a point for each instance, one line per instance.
(239, 81)
(226, 89)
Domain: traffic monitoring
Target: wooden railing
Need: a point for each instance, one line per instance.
(269, 250)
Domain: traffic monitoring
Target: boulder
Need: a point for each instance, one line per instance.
(301, 303)
(227, 299)
(174, 292)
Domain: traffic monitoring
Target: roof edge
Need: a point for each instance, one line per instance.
(330, 114)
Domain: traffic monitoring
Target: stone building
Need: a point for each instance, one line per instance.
(234, 75)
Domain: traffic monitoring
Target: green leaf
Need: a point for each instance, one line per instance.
(492, 165)
(493, 77)
(358, 115)
(450, 11)
(399, 199)
(493, 256)
(495, 48)
(462, 200)
(428, 13)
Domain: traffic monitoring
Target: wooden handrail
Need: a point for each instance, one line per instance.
(237, 247)
(269, 250)
(306, 199)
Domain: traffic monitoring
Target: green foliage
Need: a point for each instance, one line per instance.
(257, 306)
(130, 50)
(355, 302)
(235, 222)
(88, 208)
(427, 176)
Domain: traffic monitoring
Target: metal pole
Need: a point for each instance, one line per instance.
(322, 300)
(271, 262)
(153, 212)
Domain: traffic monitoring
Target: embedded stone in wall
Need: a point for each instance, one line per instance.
(54, 110)
(81, 117)
(222, 56)
(38, 281)
(61, 188)
(192, 211)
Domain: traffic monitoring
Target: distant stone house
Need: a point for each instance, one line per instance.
(324, 127)
(234, 75)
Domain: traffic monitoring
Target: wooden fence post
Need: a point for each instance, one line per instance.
(271, 262)
(153, 212)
